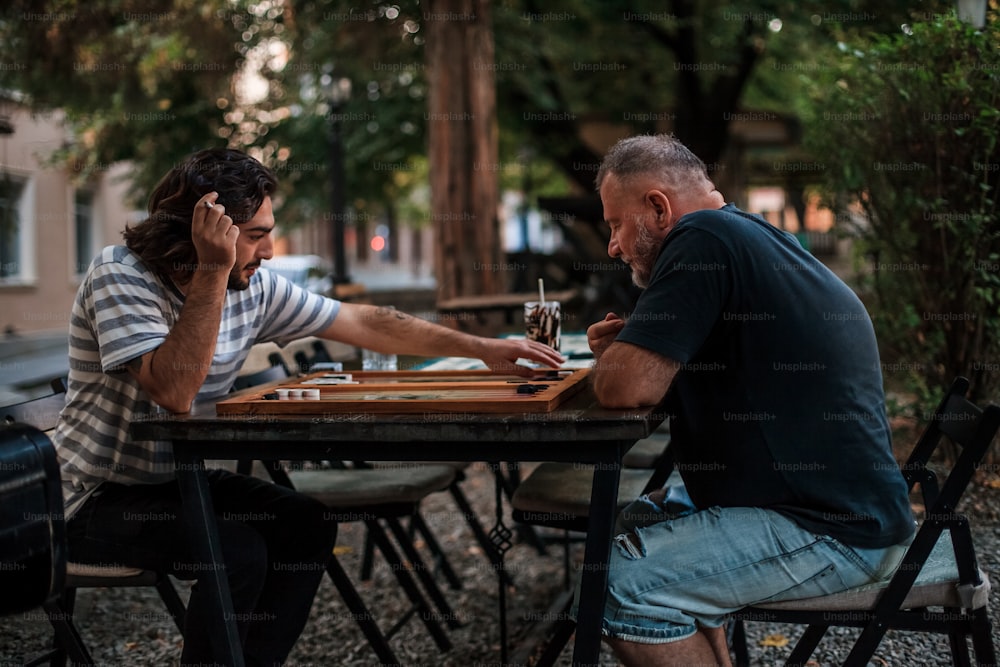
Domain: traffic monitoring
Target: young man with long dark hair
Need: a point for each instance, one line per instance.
(169, 318)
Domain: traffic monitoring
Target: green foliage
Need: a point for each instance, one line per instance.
(148, 81)
(907, 127)
(152, 80)
(378, 49)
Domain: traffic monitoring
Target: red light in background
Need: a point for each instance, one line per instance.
(378, 243)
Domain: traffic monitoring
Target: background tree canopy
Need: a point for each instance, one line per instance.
(143, 81)
(152, 81)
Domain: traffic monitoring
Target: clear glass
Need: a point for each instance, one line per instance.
(543, 322)
(376, 361)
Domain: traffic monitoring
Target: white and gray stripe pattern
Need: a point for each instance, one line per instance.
(123, 311)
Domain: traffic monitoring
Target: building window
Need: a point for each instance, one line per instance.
(11, 229)
(84, 227)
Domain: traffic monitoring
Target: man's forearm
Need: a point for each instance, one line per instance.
(385, 329)
(628, 376)
(174, 372)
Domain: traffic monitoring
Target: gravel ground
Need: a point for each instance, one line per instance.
(129, 627)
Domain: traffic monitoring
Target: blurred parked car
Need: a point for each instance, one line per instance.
(309, 271)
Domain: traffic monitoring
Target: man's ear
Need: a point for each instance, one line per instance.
(660, 204)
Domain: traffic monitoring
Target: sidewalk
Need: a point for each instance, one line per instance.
(29, 360)
(381, 276)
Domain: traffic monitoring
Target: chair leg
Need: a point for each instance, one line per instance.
(172, 600)
(408, 585)
(959, 649)
(738, 644)
(957, 642)
(560, 638)
(566, 544)
(809, 641)
(68, 638)
(349, 594)
(367, 556)
(418, 524)
(437, 597)
(982, 638)
(43, 659)
(562, 631)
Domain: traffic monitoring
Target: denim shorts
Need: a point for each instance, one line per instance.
(669, 574)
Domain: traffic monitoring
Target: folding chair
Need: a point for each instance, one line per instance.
(279, 371)
(938, 586)
(320, 356)
(42, 414)
(373, 496)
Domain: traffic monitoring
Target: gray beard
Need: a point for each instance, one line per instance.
(646, 250)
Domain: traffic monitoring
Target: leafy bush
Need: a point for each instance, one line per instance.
(907, 127)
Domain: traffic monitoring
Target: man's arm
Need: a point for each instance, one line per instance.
(626, 375)
(387, 330)
(174, 372)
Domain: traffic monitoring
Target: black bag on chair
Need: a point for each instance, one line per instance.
(32, 529)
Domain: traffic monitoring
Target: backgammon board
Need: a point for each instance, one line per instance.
(408, 392)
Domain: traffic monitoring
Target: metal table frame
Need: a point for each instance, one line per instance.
(580, 431)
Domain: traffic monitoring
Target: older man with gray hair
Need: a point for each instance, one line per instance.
(769, 366)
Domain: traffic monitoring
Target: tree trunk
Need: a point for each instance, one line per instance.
(463, 153)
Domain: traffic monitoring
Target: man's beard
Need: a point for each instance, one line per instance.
(236, 279)
(647, 247)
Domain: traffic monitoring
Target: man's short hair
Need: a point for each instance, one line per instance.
(660, 154)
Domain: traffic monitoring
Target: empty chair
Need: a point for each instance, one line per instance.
(374, 496)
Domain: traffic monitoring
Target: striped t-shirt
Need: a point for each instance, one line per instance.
(122, 311)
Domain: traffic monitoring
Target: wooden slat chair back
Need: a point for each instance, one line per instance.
(43, 414)
(938, 586)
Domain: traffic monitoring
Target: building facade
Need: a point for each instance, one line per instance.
(51, 225)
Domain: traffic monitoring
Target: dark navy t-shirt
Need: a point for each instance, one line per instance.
(779, 401)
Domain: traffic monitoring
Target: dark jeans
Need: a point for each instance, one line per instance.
(275, 543)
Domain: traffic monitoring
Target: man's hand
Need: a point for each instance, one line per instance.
(601, 334)
(502, 355)
(626, 375)
(214, 235)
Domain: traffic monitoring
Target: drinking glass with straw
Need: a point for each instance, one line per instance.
(542, 319)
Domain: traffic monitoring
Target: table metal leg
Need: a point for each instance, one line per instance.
(594, 579)
(200, 517)
(500, 537)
